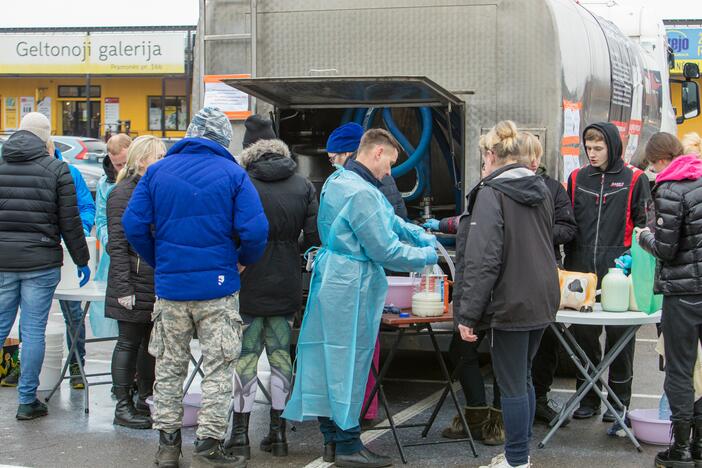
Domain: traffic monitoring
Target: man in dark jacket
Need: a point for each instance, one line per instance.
(609, 198)
(195, 216)
(39, 207)
(271, 289)
(341, 146)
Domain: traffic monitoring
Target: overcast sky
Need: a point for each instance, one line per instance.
(56, 13)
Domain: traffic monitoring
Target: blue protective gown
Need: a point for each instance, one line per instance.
(360, 236)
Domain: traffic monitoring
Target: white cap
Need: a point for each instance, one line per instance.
(38, 124)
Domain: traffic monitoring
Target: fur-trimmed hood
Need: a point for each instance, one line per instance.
(261, 148)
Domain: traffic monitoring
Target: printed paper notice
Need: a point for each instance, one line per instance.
(570, 163)
(44, 107)
(26, 105)
(11, 113)
(229, 100)
(111, 111)
(571, 122)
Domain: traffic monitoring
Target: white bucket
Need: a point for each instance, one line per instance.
(69, 270)
(50, 370)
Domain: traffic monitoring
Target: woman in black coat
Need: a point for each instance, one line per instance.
(271, 289)
(130, 297)
(675, 239)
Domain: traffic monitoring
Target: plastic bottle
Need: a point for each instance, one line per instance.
(615, 291)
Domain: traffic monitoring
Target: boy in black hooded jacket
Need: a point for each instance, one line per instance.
(609, 198)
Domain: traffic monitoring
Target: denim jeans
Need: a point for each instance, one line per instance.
(74, 310)
(32, 292)
(347, 442)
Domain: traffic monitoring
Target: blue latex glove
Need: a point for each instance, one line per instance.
(427, 240)
(431, 224)
(84, 275)
(432, 257)
(624, 263)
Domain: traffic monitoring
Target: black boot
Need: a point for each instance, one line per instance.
(364, 458)
(696, 443)
(238, 444)
(276, 442)
(168, 449)
(125, 413)
(678, 455)
(209, 453)
(329, 452)
(141, 406)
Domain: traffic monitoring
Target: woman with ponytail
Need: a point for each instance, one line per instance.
(130, 292)
(506, 279)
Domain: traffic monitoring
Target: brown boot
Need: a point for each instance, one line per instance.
(476, 417)
(494, 428)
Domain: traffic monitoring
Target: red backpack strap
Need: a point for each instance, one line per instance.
(574, 179)
(629, 228)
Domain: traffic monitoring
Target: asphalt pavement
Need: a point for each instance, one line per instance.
(70, 438)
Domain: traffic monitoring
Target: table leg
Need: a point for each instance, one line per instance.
(195, 371)
(384, 402)
(449, 388)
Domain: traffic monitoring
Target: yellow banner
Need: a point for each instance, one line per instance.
(679, 64)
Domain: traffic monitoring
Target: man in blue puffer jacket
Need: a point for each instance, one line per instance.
(74, 309)
(197, 219)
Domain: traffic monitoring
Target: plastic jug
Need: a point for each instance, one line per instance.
(429, 294)
(615, 291)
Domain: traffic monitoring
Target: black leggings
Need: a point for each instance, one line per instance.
(131, 355)
(469, 375)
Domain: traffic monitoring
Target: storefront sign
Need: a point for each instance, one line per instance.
(26, 106)
(111, 111)
(98, 53)
(10, 112)
(44, 107)
(231, 101)
(687, 46)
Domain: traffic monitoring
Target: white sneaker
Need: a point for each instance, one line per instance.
(501, 462)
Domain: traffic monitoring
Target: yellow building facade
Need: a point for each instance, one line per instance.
(685, 41)
(137, 81)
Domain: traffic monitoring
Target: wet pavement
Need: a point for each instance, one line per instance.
(70, 438)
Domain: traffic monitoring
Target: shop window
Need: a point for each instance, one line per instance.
(77, 91)
(173, 108)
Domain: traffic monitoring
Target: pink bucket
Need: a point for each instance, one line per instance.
(191, 408)
(400, 290)
(648, 428)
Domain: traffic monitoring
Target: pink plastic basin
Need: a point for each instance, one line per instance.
(400, 289)
(191, 407)
(648, 428)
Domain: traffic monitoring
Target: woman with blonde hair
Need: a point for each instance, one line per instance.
(692, 144)
(130, 292)
(506, 281)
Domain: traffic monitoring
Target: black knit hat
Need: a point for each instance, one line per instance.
(257, 128)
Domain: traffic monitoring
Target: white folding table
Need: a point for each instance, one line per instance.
(591, 373)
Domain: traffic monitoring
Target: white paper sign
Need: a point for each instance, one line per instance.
(570, 163)
(225, 98)
(111, 111)
(44, 107)
(26, 105)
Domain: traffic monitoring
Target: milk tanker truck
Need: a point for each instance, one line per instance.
(440, 73)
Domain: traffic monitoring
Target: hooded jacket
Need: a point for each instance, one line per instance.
(676, 239)
(273, 285)
(38, 207)
(129, 274)
(607, 205)
(194, 215)
(564, 227)
(506, 275)
(86, 205)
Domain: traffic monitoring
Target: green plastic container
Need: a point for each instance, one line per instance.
(643, 272)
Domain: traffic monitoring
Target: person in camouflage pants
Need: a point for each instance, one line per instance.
(197, 219)
(218, 327)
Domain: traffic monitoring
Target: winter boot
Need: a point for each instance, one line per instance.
(494, 428)
(678, 454)
(169, 450)
(125, 413)
(238, 444)
(208, 453)
(476, 417)
(141, 406)
(696, 443)
(329, 454)
(275, 442)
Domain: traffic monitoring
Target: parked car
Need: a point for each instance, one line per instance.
(86, 154)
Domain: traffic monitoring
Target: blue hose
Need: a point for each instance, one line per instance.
(416, 154)
(359, 115)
